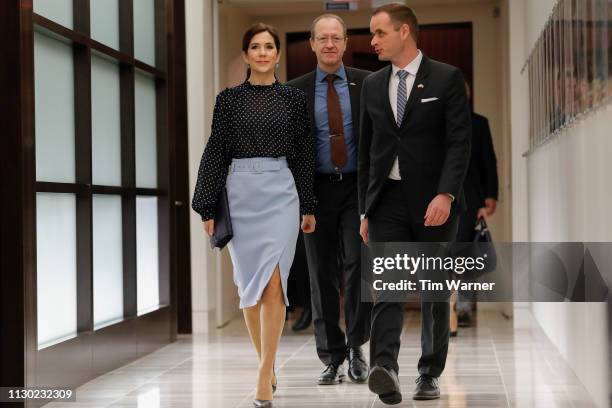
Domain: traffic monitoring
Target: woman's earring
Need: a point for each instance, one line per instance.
(276, 66)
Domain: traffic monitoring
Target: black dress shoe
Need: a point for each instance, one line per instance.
(262, 403)
(427, 388)
(333, 374)
(358, 368)
(386, 384)
(303, 321)
(464, 319)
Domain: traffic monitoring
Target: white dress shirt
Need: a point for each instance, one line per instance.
(412, 68)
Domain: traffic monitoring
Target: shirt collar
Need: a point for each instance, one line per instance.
(413, 67)
(340, 72)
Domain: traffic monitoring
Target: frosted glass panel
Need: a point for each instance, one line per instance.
(147, 262)
(56, 267)
(106, 122)
(144, 31)
(107, 259)
(54, 93)
(146, 132)
(105, 22)
(59, 11)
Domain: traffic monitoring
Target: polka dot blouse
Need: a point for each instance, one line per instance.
(257, 121)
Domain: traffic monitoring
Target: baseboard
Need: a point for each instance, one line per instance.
(204, 321)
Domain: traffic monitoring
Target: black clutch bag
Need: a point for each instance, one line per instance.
(481, 247)
(223, 231)
(484, 242)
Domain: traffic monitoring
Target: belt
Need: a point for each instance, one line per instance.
(258, 165)
(335, 177)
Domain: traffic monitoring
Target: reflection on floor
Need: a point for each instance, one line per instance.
(492, 365)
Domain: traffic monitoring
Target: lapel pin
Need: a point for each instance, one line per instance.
(420, 86)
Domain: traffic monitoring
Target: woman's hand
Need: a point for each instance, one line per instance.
(209, 226)
(308, 223)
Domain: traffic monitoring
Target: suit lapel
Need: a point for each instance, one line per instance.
(419, 86)
(354, 92)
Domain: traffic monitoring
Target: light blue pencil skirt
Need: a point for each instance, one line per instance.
(265, 214)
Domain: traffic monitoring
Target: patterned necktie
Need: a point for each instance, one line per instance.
(402, 96)
(336, 126)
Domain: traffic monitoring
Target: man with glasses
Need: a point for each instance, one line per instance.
(333, 93)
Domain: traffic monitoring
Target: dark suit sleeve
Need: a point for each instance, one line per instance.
(490, 182)
(365, 139)
(458, 136)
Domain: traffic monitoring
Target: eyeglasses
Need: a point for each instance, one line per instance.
(335, 40)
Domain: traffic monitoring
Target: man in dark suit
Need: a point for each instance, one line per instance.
(333, 93)
(481, 189)
(481, 184)
(413, 155)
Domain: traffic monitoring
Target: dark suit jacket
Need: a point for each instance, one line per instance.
(355, 79)
(481, 179)
(433, 142)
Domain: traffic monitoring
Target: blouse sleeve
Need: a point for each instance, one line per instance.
(214, 164)
(302, 161)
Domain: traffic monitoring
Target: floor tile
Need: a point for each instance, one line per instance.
(491, 365)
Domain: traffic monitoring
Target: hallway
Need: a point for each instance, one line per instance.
(492, 365)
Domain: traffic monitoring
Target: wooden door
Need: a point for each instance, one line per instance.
(449, 43)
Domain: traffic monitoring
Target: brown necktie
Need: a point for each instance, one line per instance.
(336, 127)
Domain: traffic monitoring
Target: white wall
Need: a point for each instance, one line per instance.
(561, 192)
(519, 116)
(569, 200)
(200, 100)
(233, 22)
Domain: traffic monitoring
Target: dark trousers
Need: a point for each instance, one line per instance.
(336, 238)
(467, 221)
(391, 222)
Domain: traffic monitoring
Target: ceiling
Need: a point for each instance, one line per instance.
(273, 7)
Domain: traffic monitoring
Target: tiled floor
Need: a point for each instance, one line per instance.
(493, 365)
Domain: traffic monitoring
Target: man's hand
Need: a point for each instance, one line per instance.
(438, 210)
(209, 227)
(308, 223)
(363, 231)
(490, 205)
(482, 213)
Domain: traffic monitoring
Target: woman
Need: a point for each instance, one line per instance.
(261, 129)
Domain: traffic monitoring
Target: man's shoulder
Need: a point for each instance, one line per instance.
(357, 73)
(479, 119)
(480, 124)
(441, 68)
(376, 76)
(301, 81)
